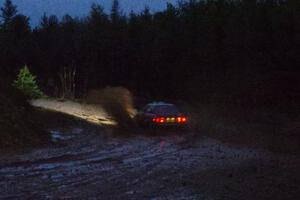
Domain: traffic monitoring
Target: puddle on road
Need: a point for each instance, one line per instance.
(57, 135)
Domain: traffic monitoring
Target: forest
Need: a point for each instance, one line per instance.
(238, 52)
(71, 89)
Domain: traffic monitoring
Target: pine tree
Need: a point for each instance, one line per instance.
(115, 11)
(8, 11)
(26, 83)
(44, 23)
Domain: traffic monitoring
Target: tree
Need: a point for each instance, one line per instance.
(48, 22)
(221, 47)
(14, 39)
(26, 83)
(68, 83)
(98, 19)
(115, 11)
(97, 13)
(44, 22)
(8, 12)
(19, 26)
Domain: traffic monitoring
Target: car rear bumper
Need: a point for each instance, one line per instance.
(170, 125)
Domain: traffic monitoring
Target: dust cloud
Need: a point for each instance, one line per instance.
(117, 103)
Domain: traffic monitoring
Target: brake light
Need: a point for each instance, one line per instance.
(179, 119)
(158, 120)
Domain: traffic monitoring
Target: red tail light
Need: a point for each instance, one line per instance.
(173, 119)
(179, 119)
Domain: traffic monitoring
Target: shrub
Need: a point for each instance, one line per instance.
(26, 83)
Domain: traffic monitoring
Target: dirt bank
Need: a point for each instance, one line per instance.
(19, 124)
(91, 112)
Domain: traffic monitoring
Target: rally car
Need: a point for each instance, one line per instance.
(161, 114)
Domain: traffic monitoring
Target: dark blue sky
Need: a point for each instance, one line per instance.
(35, 8)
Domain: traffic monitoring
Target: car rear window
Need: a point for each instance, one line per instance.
(165, 110)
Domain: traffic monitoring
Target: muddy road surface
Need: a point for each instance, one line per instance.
(95, 164)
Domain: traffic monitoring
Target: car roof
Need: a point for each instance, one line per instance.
(162, 108)
(160, 103)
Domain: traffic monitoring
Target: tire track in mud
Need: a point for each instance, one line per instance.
(64, 168)
(90, 166)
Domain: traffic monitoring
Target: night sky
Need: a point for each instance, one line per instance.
(35, 8)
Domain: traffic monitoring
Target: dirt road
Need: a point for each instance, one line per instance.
(94, 164)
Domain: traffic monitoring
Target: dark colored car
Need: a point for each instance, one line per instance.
(161, 114)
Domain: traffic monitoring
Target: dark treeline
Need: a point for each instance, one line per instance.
(236, 51)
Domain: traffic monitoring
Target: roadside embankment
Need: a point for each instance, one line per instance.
(19, 124)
